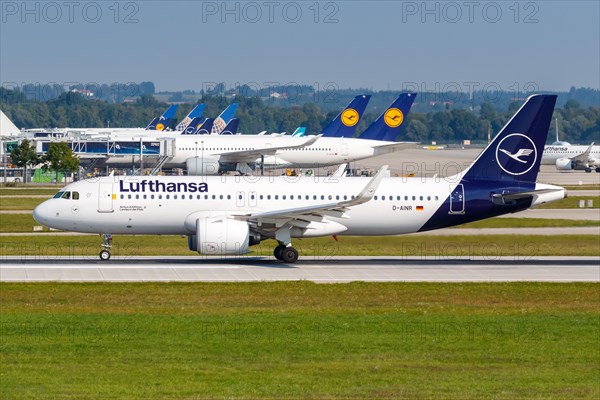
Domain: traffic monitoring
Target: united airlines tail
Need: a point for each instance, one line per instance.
(232, 127)
(222, 120)
(516, 152)
(206, 127)
(165, 122)
(344, 125)
(195, 113)
(388, 125)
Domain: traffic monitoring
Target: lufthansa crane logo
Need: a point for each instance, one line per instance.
(516, 154)
(393, 117)
(350, 117)
(160, 127)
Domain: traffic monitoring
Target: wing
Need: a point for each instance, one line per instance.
(281, 221)
(585, 156)
(249, 156)
(393, 147)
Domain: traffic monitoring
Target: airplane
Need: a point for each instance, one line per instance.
(246, 153)
(195, 113)
(226, 215)
(571, 157)
(165, 121)
(224, 118)
(387, 126)
(299, 132)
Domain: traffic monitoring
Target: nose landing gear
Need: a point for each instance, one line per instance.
(107, 244)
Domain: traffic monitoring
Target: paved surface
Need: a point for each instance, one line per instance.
(340, 269)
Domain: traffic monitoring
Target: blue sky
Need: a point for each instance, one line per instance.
(551, 45)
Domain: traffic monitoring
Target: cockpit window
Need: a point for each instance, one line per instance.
(75, 195)
(58, 195)
(66, 195)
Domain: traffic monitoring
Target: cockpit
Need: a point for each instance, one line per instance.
(67, 195)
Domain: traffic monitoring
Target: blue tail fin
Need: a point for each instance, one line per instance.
(193, 126)
(388, 125)
(300, 132)
(226, 116)
(232, 127)
(166, 121)
(516, 152)
(344, 125)
(195, 113)
(206, 127)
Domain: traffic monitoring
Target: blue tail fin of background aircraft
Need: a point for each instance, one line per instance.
(166, 121)
(516, 152)
(388, 125)
(344, 125)
(232, 127)
(226, 116)
(195, 113)
(193, 126)
(300, 132)
(206, 127)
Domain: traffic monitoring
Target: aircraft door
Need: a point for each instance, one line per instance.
(457, 199)
(105, 198)
(344, 149)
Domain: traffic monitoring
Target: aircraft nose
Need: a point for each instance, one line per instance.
(42, 213)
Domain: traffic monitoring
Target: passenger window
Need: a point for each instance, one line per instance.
(375, 197)
(152, 196)
(167, 197)
(214, 197)
(174, 197)
(122, 196)
(137, 196)
(145, 197)
(129, 196)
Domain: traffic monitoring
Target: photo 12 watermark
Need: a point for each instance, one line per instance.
(70, 12)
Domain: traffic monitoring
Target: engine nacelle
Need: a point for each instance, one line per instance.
(564, 164)
(197, 166)
(220, 236)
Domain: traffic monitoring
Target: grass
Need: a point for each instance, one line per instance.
(28, 191)
(581, 187)
(572, 202)
(300, 340)
(322, 248)
(527, 223)
(20, 203)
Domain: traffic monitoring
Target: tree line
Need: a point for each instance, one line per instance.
(577, 124)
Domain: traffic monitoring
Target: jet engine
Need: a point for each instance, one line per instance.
(221, 236)
(564, 164)
(203, 166)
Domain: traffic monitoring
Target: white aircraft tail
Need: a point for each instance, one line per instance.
(7, 128)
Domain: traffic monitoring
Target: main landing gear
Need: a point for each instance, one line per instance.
(107, 244)
(286, 254)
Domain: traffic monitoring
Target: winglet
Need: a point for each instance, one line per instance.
(369, 190)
